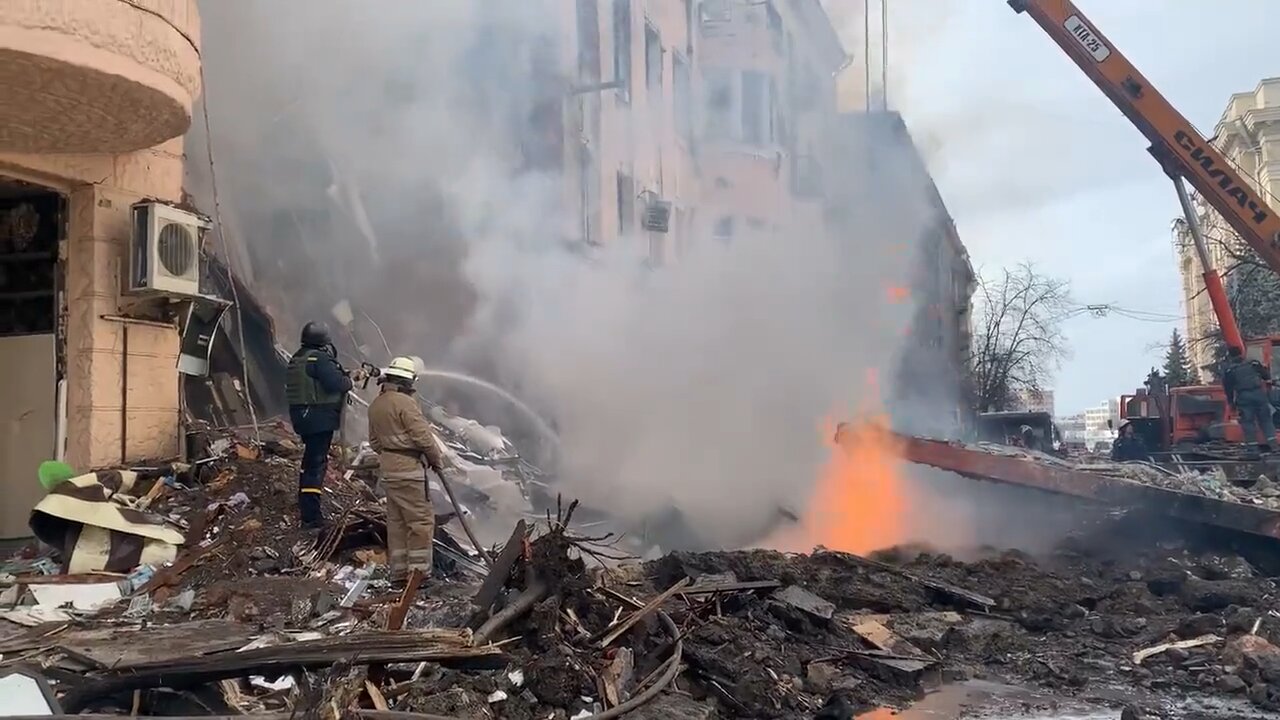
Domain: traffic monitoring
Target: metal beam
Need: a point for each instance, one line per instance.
(1116, 492)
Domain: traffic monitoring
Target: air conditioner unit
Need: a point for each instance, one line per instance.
(657, 216)
(164, 256)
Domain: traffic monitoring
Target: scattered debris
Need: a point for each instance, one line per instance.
(256, 616)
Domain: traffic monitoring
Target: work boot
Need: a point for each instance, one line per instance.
(1264, 448)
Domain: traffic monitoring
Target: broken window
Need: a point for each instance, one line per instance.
(689, 21)
(652, 62)
(589, 40)
(622, 47)
(29, 228)
(626, 203)
(714, 16)
(755, 108)
(806, 176)
(723, 230)
(777, 116)
(774, 20)
(721, 121)
(682, 87)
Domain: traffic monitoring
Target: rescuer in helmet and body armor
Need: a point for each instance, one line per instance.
(405, 443)
(316, 388)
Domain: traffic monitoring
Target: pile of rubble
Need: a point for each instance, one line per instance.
(257, 616)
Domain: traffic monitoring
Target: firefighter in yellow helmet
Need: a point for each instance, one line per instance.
(406, 446)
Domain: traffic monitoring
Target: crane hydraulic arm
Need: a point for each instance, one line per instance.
(1174, 142)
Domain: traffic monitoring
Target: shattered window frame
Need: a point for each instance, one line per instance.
(622, 28)
(757, 125)
(588, 22)
(682, 97)
(654, 62)
(722, 119)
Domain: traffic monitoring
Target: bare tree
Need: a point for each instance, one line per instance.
(1018, 340)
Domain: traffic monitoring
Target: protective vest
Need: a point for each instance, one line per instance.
(302, 389)
(1246, 377)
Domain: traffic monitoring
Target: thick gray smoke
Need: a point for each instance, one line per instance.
(389, 157)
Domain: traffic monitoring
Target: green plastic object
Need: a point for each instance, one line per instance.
(53, 472)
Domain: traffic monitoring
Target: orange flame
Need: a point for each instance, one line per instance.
(898, 294)
(862, 498)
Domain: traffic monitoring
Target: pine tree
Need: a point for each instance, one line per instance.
(1177, 369)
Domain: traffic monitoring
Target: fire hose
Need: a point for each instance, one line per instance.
(667, 677)
(462, 518)
(669, 670)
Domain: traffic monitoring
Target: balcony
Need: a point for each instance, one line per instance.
(96, 77)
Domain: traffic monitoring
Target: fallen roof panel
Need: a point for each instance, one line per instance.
(1063, 479)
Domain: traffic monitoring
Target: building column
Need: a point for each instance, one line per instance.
(122, 381)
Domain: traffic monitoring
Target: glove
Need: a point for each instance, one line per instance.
(357, 375)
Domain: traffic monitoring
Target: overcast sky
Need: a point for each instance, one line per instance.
(1035, 163)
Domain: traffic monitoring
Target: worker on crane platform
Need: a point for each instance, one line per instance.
(1245, 383)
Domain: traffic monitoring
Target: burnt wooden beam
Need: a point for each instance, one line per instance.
(447, 647)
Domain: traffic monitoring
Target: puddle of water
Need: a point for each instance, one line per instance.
(993, 701)
(981, 700)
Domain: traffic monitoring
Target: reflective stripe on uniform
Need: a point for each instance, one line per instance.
(317, 491)
(420, 560)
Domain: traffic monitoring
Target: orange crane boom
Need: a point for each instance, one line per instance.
(1181, 150)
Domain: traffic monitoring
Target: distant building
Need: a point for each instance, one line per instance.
(1249, 135)
(1072, 427)
(1101, 423)
(1034, 401)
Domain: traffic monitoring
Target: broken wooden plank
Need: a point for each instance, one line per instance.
(120, 648)
(395, 619)
(375, 696)
(885, 639)
(1145, 653)
(445, 646)
(624, 599)
(650, 607)
(730, 586)
(498, 575)
(173, 573)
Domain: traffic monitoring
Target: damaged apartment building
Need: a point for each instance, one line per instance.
(714, 120)
(660, 123)
(98, 265)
